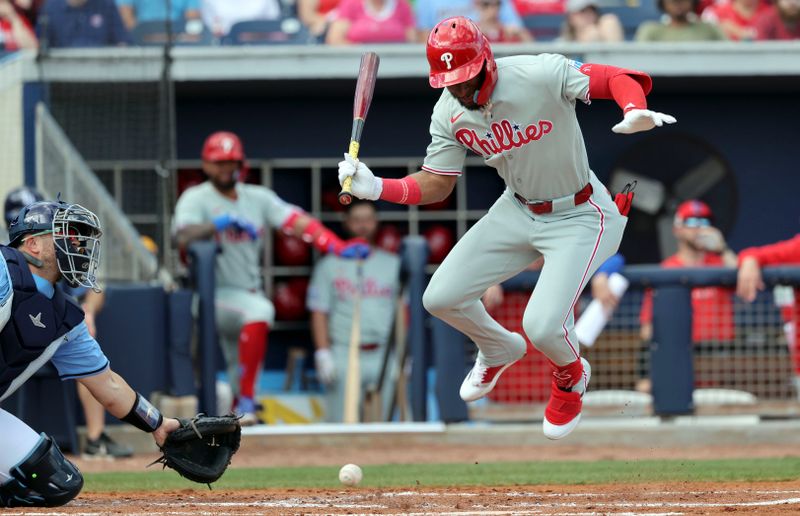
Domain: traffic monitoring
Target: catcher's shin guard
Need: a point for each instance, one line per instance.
(44, 479)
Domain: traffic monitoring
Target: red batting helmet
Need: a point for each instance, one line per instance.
(458, 51)
(223, 146)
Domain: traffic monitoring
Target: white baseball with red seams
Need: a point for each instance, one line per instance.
(350, 475)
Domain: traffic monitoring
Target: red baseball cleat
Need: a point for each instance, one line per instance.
(563, 412)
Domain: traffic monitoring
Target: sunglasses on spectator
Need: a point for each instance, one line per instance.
(696, 222)
(495, 3)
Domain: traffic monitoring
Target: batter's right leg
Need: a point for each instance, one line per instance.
(493, 250)
(33, 471)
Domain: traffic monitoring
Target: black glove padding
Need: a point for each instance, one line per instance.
(202, 448)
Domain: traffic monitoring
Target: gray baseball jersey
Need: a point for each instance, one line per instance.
(532, 137)
(335, 281)
(238, 264)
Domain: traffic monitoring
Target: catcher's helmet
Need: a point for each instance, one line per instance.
(76, 235)
(17, 199)
(223, 146)
(458, 51)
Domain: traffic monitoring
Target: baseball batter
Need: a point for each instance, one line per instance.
(238, 216)
(519, 114)
(39, 323)
(331, 301)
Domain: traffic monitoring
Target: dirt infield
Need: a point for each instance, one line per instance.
(669, 498)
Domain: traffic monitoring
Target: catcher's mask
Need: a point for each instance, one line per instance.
(76, 236)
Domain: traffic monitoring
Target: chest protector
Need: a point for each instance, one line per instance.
(35, 321)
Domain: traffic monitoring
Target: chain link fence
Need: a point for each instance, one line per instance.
(744, 357)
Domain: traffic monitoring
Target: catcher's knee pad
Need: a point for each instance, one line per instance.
(44, 479)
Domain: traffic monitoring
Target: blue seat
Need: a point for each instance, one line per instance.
(632, 17)
(286, 31)
(154, 33)
(544, 27)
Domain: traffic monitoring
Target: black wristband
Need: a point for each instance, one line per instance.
(144, 415)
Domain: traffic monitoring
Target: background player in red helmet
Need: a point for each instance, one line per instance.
(518, 113)
(238, 215)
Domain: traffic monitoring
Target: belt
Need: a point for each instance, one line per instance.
(541, 207)
(370, 346)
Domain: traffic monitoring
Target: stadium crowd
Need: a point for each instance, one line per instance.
(25, 24)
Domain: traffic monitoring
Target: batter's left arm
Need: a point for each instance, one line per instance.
(629, 89)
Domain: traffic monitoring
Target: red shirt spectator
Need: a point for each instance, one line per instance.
(737, 18)
(780, 22)
(699, 245)
(372, 21)
(316, 14)
(495, 30)
(15, 31)
(712, 307)
(529, 7)
(749, 283)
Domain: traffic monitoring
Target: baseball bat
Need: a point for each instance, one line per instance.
(367, 74)
(352, 386)
(373, 402)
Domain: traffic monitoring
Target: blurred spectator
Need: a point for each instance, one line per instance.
(490, 24)
(15, 31)
(82, 23)
(137, 11)
(431, 12)
(736, 18)
(699, 245)
(751, 260)
(585, 24)
(534, 7)
(779, 22)
(372, 21)
(29, 9)
(220, 15)
(680, 23)
(331, 302)
(749, 283)
(317, 14)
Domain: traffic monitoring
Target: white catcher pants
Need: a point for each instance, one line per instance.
(18, 440)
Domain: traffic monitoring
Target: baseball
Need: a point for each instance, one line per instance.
(350, 475)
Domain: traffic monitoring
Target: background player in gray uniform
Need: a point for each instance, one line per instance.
(238, 215)
(50, 241)
(330, 300)
(519, 114)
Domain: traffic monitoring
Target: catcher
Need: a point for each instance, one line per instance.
(49, 241)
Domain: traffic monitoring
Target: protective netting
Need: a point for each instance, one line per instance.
(744, 357)
(62, 170)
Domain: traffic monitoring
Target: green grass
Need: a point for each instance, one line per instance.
(488, 474)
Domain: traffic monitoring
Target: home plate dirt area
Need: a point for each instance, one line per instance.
(666, 499)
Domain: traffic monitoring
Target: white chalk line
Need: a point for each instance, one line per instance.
(438, 513)
(529, 507)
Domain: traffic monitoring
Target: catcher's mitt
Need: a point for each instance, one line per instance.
(202, 447)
